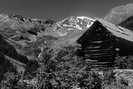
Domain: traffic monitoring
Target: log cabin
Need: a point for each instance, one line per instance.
(103, 41)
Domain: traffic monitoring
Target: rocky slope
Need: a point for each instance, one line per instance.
(18, 45)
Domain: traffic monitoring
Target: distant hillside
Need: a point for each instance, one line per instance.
(128, 23)
(120, 13)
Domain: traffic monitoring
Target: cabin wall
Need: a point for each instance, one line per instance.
(125, 47)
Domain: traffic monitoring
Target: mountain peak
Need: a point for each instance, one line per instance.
(77, 22)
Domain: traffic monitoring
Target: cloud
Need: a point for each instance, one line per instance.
(120, 13)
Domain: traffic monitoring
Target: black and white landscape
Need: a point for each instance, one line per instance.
(75, 52)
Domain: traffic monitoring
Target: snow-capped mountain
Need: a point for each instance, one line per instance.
(73, 24)
(77, 22)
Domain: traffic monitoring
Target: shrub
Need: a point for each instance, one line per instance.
(124, 62)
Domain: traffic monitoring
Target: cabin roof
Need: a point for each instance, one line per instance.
(115, 30)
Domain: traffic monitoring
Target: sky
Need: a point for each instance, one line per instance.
(59, 8)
